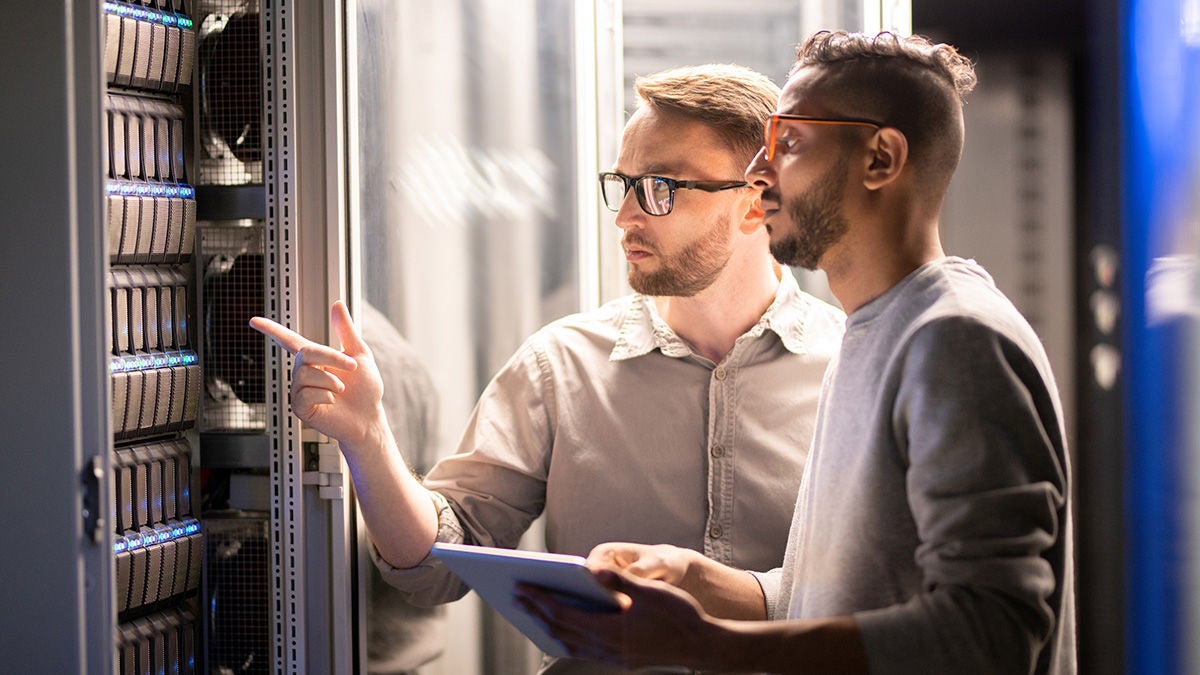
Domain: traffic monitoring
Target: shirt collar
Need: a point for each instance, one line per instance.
(643, 330)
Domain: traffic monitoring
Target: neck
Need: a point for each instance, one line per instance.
(713, 319)
(862, 270)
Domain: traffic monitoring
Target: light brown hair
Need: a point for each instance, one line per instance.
(733, 100)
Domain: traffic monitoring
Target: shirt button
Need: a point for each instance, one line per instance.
(718, 451)
(720, 373)
(715, 532)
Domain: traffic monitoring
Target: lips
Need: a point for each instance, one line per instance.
(770, 206)
(636, 249)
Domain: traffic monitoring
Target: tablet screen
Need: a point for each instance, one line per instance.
(494, 572)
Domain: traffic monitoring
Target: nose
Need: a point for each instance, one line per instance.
(630, 215)
(760, 173)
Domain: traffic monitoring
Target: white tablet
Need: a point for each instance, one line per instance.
(494, 572)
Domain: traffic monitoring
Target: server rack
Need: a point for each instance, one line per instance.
(106, 409)
(151, 214)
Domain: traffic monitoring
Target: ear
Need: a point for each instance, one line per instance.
(888, 157)
(753, 218)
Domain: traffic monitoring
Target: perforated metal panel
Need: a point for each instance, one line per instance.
(230, 92)
(237, 583)
(231, 262)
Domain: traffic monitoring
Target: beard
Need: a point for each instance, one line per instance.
(689, 271)
(817, 220)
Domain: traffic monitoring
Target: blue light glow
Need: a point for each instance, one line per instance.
(144, 14)
(133, 362)
(161, 533)
(172, 190)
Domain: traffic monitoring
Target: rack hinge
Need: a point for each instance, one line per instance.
(322, 465)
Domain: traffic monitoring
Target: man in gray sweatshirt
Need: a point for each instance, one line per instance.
(932, 532)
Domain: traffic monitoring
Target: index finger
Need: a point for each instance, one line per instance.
(281, 335)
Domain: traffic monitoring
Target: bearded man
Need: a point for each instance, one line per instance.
(681, 413)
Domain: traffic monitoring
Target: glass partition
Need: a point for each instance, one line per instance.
(468, 219)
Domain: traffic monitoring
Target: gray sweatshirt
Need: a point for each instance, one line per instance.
(936, 503)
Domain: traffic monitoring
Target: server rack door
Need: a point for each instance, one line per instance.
(57, 595)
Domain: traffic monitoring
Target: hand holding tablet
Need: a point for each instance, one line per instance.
(494, 572)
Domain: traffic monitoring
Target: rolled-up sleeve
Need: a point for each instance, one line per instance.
(490, 491)
(429, 583)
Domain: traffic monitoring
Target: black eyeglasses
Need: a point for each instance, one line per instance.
(655, 194)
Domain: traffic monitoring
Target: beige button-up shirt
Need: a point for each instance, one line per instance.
(611, 426)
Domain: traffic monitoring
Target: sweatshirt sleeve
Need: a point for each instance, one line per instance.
(987, 483)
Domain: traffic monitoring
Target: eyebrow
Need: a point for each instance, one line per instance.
(656, 169)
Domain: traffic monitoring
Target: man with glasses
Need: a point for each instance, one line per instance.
(932, 532)
(681, 413)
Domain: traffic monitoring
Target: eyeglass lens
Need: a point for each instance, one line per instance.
(771, 130)
(654, 194)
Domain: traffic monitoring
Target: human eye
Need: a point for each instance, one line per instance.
(787, 143)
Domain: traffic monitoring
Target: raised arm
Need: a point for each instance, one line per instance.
(340, 393)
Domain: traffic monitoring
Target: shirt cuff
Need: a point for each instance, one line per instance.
(428, 582)
(770, 583)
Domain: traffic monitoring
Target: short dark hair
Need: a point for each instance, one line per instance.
(909, 83)
(734, 100)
